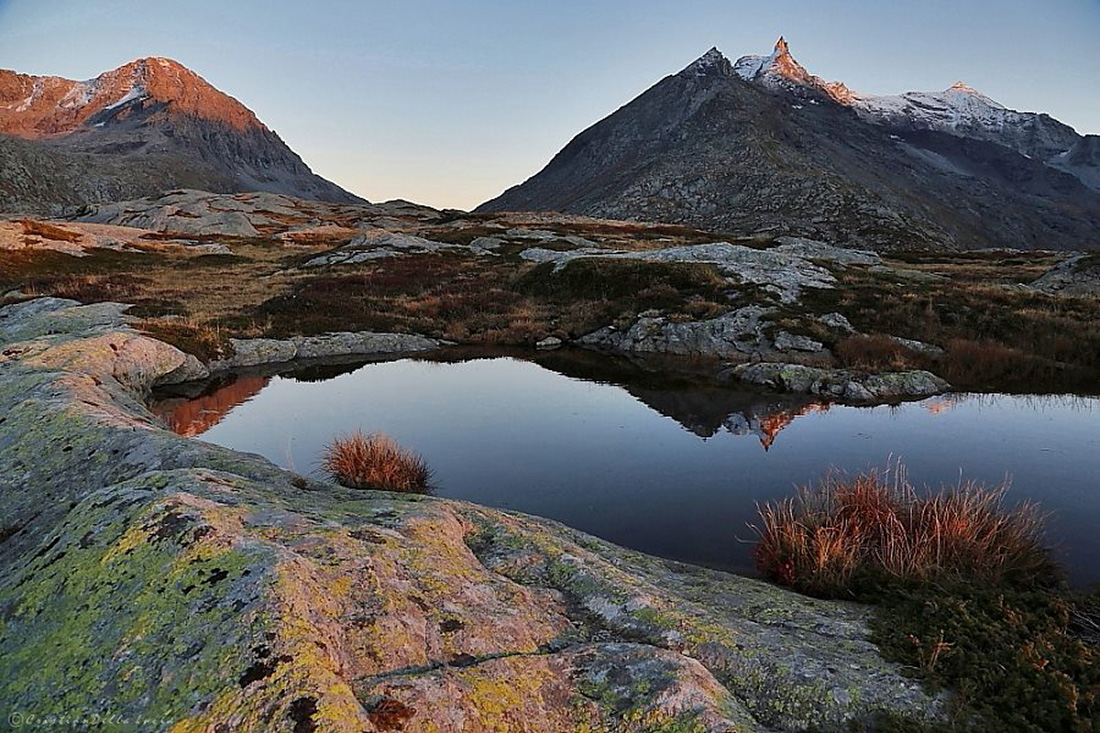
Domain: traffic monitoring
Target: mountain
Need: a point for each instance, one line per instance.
(764, 146)
(144, 128)
(960, 110)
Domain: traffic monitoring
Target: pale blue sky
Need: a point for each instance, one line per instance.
(448, 103)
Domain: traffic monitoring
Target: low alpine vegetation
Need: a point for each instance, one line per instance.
(375, 461)
(878, 526)
(965, 592)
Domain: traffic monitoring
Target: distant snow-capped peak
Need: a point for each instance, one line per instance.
(960, 109)
(779, 66)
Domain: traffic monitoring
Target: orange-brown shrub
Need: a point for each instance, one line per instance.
(875, 526)
(876, 352)
(375, 461)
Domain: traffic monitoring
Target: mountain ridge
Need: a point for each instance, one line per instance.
(144, 128)
(778, 153)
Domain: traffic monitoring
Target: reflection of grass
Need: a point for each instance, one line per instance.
(966, 596)
(375, 461)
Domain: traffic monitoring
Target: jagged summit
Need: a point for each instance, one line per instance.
(778, 68)
(960, 109)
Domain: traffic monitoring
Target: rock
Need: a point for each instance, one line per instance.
(191, 370)
(843, 384)
(785, 341)
(487, 243)
(785, 270)
(181, 212)
(1076, 276)
(550, 342)
(257, 352)
(380, 244)
(740, 333)
(810, 249)
(228, 594)
(920, 347)
(837, 322)
(254, 352)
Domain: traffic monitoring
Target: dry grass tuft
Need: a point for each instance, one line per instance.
(375, 461)
(876, 526)
(49, 231)
(876, 352)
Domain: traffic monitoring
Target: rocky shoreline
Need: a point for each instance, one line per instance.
(148, 575)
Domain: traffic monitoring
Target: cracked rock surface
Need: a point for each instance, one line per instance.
(146, 574)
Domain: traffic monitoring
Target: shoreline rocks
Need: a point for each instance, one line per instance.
(740, 333)
(148, 575)
(842, 384)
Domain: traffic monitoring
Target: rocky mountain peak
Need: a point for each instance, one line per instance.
(35, 107)
(779, 68)
(712, 62)
(148, 126)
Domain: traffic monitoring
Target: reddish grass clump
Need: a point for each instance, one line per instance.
(874, 527)
(49, 231)
(375, 461)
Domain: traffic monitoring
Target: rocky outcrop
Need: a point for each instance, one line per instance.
(744, 332)
(784, 270)
(146, 575)
(245, 352)
(380, 244)
(841, 384)
(1076, 276)
(261, 352)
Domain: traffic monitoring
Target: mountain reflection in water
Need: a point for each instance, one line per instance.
(195, 414)
(670, 465)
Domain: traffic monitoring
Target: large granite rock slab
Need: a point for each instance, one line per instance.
(149, 576)
(785, 270)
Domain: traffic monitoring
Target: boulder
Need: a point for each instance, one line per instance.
(550, 342)
(261, 351)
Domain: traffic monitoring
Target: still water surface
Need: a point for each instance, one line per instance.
(675, 471)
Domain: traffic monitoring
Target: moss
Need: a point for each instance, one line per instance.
(1010, 654)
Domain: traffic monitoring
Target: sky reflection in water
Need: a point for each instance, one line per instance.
(677, 477)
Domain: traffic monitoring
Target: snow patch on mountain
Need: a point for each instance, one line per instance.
(136, 92)
(959, 110)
